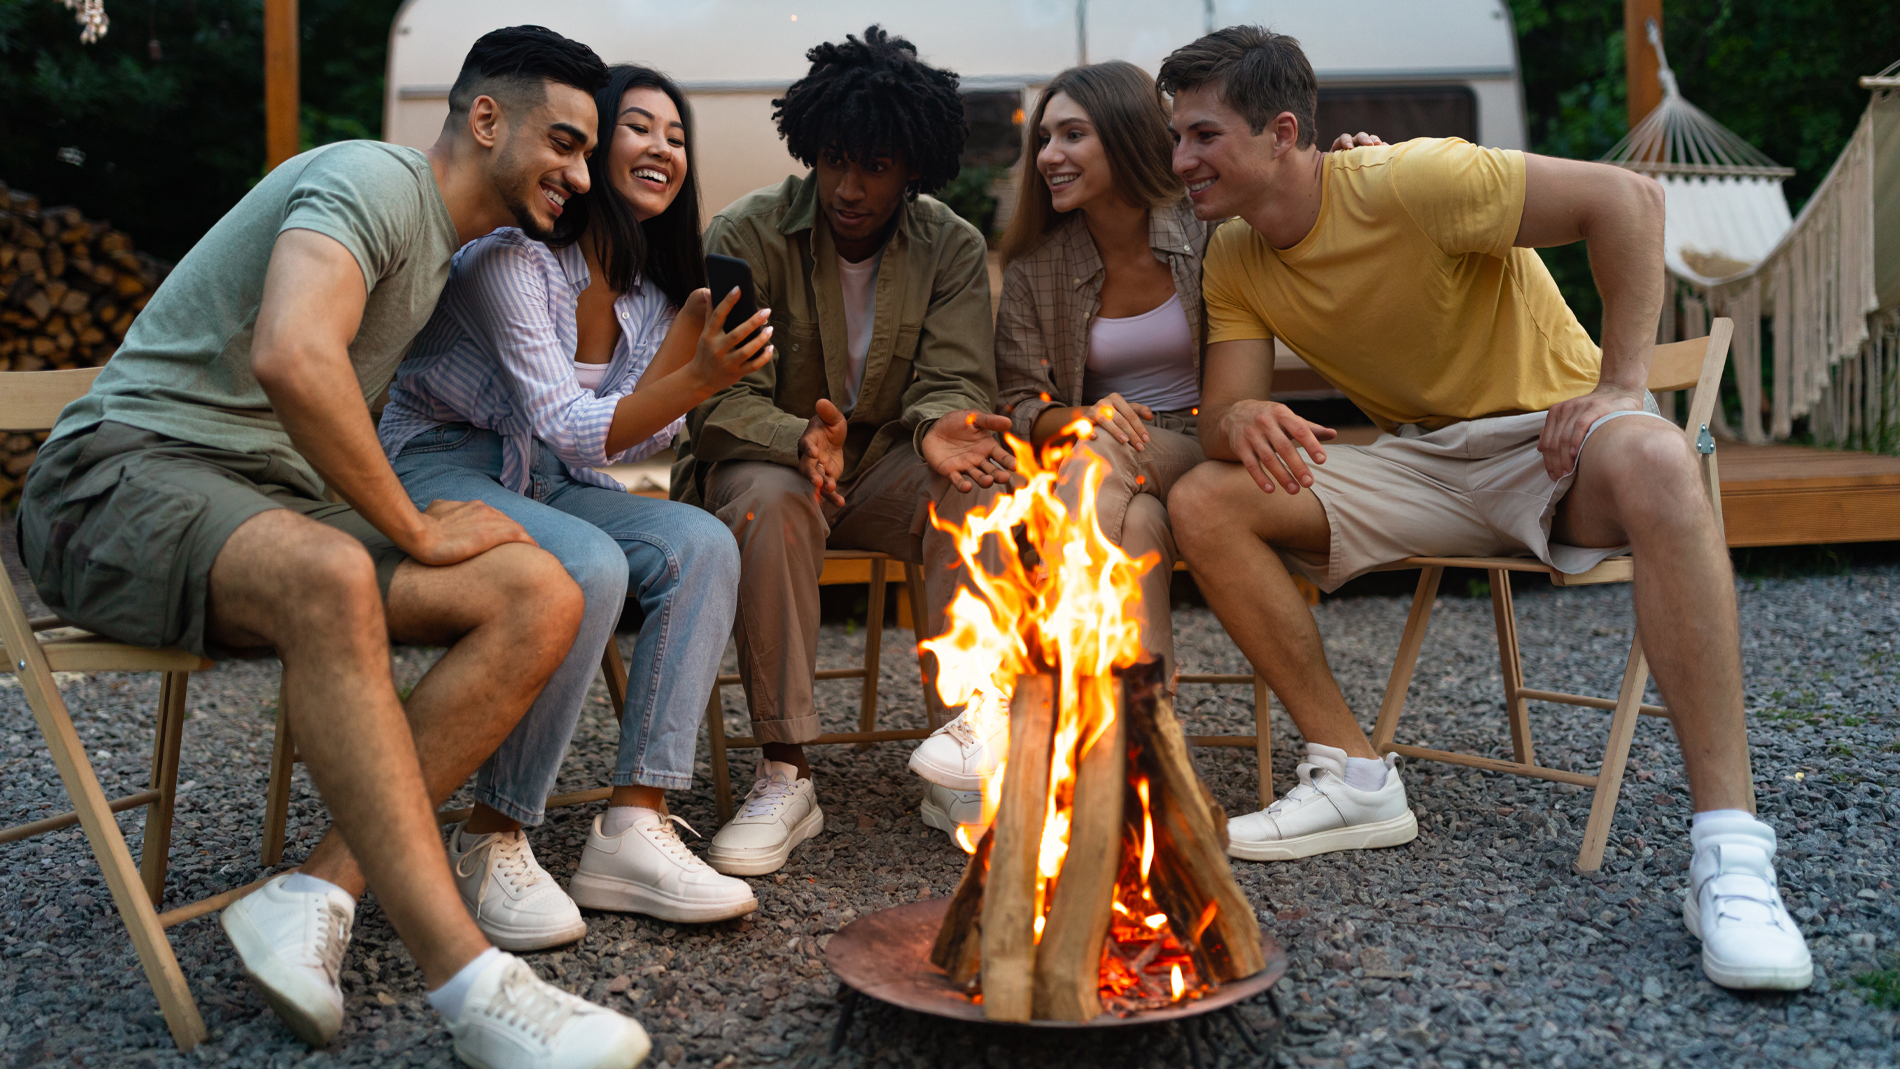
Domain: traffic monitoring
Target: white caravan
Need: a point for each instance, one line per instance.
(1398, 68)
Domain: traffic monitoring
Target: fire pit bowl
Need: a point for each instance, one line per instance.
(886, 955)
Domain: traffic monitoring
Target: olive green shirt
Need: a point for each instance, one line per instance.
(931, 334)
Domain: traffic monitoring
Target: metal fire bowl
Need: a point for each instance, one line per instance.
(886, 955)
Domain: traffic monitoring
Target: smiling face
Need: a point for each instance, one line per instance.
(647, 153)
(1072, 159)
(1227, 167)
(859, 197)
(540, 161)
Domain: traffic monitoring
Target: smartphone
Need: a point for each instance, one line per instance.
(723, 274)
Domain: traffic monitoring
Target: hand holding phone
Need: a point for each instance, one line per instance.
(725, 274)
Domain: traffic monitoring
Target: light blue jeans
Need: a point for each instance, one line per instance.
(679, 561)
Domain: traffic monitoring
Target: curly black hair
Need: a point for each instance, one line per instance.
(873, 97)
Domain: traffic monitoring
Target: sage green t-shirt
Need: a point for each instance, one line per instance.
(185, 368)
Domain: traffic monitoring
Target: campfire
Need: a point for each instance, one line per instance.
(1102, 884)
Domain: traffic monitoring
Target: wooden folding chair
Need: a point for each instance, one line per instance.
(32, 401)
(1261, 741)
(1696, 363)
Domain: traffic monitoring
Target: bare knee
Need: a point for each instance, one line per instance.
(323, 582)
(1654, 479)
(533, 590)
(1194, 504)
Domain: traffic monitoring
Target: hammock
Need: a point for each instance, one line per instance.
(1829, 279)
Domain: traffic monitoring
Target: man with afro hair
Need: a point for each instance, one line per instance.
(879, 404)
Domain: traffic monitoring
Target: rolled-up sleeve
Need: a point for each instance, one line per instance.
(511, 313)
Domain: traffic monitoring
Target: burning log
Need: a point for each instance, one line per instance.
(1068, 961)
(1011, 921)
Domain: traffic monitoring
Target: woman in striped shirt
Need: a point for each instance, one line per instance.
(542, 363)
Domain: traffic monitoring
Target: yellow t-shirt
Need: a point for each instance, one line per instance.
(1407, 294)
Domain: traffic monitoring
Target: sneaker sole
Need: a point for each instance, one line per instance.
(615, 895)
(939, 818)
(1394, 832)
(1742, 977)
(519, 940)
(760, 864)
(280, 984)
(944, 777)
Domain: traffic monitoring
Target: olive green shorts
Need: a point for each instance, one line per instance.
(119, 527)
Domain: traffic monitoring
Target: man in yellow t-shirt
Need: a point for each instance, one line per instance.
(1405, 274)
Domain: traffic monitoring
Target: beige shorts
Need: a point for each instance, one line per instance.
(1473, 489)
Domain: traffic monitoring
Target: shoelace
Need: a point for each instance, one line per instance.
(513, 862)
(1302, 793)
(960, 729)
(524, 1002)
(333, 937)
(1758, 890)
(668, 841)
(767, 797)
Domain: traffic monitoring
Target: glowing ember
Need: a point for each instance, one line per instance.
(1064, 603)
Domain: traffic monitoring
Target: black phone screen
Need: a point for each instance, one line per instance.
(723, 275)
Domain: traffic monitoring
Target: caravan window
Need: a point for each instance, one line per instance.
(1398, 114)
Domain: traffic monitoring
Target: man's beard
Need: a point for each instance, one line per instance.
(508, 181)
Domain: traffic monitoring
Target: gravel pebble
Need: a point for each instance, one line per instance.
(1476, 946)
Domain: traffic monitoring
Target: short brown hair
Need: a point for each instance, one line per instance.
(1257, 72)
(1128, 115)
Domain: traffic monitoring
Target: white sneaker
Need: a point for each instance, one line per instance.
(512, 1019)
(958, 756)
(781, 812)
(646, 869)
(947, 810)
(1324, 814)
(1748, 940)
(292, 944)
(517, 905)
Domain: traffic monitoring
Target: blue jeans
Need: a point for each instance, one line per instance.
(679, 561)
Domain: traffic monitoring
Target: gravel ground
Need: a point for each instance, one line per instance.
(1514, 958)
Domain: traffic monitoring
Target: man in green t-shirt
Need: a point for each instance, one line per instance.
(221, 488)
(1407, 275)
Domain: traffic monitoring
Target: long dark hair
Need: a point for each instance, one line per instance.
(666, 248)
(1130, 118)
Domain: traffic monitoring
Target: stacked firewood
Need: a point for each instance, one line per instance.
(69, 289)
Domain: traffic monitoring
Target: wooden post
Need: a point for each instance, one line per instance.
(959, 941)
(1639, 59)
(281, 96)
(1009, 894)
(1069, 959)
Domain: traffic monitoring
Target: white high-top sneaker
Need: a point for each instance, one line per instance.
(646, 869)
(512, 1019)
(1733, 905)
(781, 812)
(517, 905)
(947, 810)
(1324, 814)
(292, 943)
(957, 756)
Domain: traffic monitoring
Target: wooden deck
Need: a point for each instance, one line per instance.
(1791, 495)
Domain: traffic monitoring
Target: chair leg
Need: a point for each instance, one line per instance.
(873, 649)
(158, 816)
(614, 667)
(1616, 754)
(1407, 658)
(716, 749)
(1263, 737)
(1511, 667)
(283, 758)
(103, 835)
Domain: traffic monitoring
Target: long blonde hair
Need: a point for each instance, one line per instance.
(1131, 119)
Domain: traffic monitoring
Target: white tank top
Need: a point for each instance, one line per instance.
(589, 375)
(1148, 359)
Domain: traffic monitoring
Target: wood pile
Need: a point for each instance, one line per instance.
(69, 290)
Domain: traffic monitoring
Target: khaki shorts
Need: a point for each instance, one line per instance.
(1473, 489)
(119, 527)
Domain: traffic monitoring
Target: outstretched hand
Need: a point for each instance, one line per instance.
(963, 447)
(1267, 437)
(821, 452)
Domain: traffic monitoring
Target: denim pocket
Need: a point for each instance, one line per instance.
(439, 439)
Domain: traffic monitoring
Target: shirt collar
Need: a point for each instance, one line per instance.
(573, 265)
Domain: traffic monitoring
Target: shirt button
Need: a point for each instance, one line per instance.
(794, 347)
(623, 315)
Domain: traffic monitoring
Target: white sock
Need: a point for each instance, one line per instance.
(1365, 773)
(619, 818)
(448, 998)
(310, 885)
